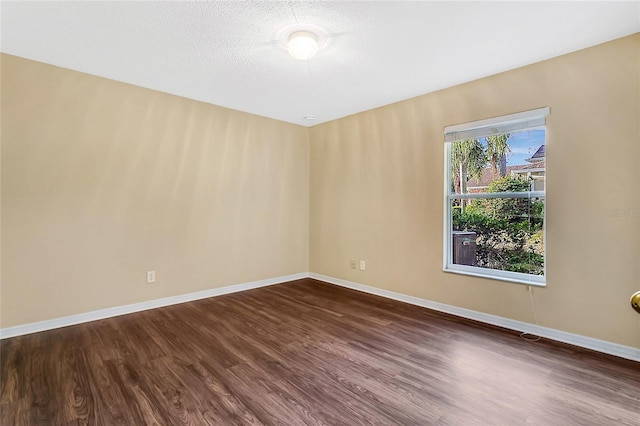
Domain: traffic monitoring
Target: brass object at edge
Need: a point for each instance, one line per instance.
(635, 301)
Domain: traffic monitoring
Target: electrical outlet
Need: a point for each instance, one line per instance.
(363, 265)
(353, 264)
(151, 277)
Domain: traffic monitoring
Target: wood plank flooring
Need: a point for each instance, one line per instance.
(307, 353)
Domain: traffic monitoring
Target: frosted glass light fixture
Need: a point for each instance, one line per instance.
(303, 45)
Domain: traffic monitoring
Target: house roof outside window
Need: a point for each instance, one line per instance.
(536, 166)
(538, 156)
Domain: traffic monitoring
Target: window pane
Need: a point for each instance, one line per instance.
(478, 164)
(503, 234)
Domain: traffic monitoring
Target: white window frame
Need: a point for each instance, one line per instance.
(527, 120)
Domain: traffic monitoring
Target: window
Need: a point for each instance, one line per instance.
(495, 205)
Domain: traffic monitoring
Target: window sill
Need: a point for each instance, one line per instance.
(491, 276)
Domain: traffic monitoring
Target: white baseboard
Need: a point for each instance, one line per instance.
(35, 327)
(549, 333)
(621, 351)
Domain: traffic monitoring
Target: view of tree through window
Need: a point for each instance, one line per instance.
(497, 187)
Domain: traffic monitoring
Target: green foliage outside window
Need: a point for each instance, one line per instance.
(509, 230)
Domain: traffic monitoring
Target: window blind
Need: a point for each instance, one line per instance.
(497, 125)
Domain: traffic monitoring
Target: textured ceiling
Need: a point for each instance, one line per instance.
(376, 53)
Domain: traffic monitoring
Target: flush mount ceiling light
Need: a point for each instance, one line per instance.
(303, 41)
(303, 45)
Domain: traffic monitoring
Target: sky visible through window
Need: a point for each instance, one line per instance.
(523, 145)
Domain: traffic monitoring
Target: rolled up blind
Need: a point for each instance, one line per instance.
(497, 125)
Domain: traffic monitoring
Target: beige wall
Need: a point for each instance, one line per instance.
(103, 181)
(377, 192)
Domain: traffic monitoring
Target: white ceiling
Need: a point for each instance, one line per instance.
(230, 53)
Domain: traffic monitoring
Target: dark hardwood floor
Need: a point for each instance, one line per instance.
(307, 353)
